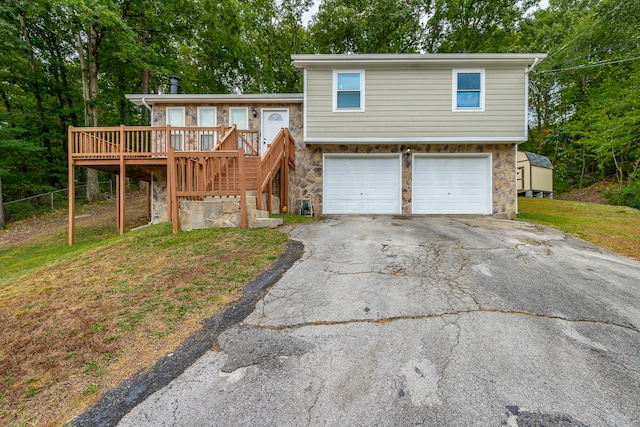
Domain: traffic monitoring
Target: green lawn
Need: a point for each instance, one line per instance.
(614, 227)
(78, 320)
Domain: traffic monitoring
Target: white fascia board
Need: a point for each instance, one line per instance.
(215, 98)
(418, 140)
(305, 61)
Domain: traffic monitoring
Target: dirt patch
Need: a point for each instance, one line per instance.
(102, 212)
(591, 194)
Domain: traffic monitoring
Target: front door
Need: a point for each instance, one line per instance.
(273, 119)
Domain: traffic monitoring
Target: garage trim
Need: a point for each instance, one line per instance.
(486, 207)
(397, 157)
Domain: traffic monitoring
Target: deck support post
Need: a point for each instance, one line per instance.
(243, 189)
(118, 201)
(71, 186)
(172, 199)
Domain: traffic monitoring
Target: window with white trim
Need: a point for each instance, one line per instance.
(348, 90)
(468, 90)
(207, 118)
(175, 117)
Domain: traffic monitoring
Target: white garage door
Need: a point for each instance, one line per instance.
(456, 184)
(362, 184)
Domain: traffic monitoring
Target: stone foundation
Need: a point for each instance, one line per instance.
(159, 207)
(308, 176)
(222, 212)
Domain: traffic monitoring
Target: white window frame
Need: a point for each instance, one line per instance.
(177, 139)
(246, 115)
(335, 92)
(208, 139)
(182, 110)
(454, 90)
(215, 115)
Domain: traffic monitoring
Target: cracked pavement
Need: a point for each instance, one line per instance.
(434, 320)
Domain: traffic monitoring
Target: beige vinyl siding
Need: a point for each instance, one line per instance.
(417, 102)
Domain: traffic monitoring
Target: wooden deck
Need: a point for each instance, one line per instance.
(199, 162)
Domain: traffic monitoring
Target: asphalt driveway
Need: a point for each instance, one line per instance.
(433, 321)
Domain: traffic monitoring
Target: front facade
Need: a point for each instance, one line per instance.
(412, 134)
(371, 134)
(265, 114)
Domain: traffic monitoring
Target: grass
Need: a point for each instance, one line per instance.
(76, 321)
(613, 227)
(296, 219)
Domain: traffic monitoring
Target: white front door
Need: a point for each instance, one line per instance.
(273, 119)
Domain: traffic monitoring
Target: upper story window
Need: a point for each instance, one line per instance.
(468, 90)
(348, 91)
(239, 117)
(175, 117)
(207, 118)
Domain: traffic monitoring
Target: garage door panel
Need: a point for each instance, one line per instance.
(451, 185)
(361, 184)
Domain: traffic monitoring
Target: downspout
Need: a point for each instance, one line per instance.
(526, 73)
(149, 186)
(144, 102)
(535, 62)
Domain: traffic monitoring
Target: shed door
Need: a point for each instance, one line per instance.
(455, 184)
(359, 184)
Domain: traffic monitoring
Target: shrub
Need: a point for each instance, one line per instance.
(628, 195)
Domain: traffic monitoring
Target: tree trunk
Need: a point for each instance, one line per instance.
(1, 206)
(89, 69)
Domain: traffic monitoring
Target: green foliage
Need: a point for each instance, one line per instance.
(583, 97)
(628, 195)
(378, 26)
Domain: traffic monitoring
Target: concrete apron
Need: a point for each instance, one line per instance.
(447, 321)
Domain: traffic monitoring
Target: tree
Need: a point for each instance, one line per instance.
(375, 26)
(474, 26)
(1, 203)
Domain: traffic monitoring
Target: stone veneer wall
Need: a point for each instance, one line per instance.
(308, 178)
(159, 207)
(296, 121)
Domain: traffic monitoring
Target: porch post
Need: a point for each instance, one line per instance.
(118, 201)
(243, 189)
(71, 185)
(123, 193)
(284, 175)
(172, 188)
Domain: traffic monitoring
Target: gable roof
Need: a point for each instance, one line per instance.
(539, 160)
(524, 59)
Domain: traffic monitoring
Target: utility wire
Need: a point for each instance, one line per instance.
(595, 64)
(588, 28)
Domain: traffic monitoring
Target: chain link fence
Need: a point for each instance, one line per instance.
(47, 202)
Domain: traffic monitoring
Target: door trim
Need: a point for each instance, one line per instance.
(263, 121)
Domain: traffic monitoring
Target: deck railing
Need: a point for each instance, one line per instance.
(279, 156)
(153, 141)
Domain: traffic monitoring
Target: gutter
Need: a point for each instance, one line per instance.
(535, 62)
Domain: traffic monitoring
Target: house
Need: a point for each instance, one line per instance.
(534, 175)
(371, 134)
(413, 134)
